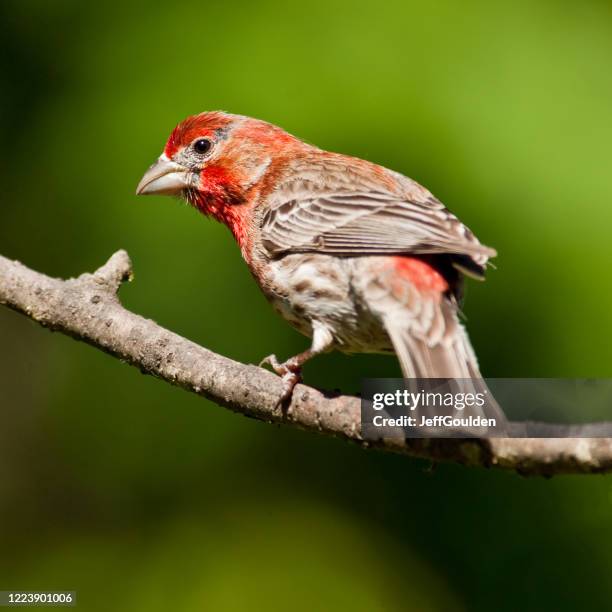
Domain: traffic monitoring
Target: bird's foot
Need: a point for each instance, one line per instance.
(291, 374)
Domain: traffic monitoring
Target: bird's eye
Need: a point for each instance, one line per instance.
(202, 146)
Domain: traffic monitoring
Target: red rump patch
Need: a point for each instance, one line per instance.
(420, 273)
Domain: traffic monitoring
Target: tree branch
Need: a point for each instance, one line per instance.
(88, 309)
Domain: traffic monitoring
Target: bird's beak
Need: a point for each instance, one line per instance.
(164, 177)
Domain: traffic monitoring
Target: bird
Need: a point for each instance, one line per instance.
(355, 256)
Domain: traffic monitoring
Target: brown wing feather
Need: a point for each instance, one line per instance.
(353, 223)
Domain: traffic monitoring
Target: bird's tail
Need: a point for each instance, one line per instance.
(443, 351)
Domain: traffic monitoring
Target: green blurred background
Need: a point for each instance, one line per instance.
(141, 496)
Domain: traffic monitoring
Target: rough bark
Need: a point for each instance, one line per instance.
(88, 309)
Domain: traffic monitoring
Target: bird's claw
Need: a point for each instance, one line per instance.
(272, 361)
(290, 374)
(289, 380)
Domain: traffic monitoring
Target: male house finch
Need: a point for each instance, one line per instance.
(353, 255)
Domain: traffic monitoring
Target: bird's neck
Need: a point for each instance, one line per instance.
(221, 197)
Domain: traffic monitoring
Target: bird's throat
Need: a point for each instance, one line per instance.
(226, 206)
